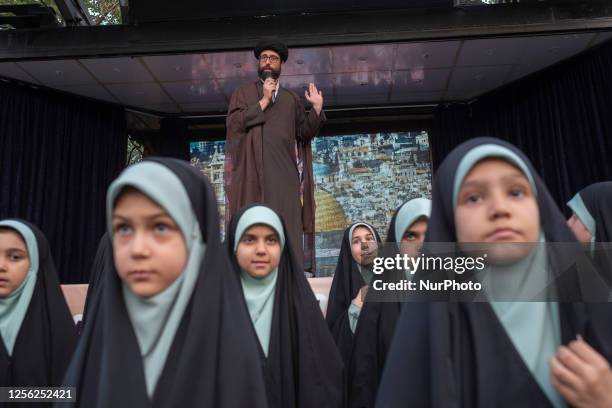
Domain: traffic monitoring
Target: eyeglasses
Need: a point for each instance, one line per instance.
(272, 58)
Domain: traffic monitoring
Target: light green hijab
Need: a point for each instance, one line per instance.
(366, 273)
(533, 327)
(407, 215)
(259, 292)
(582, 212)
(14, 307)
(156, 319)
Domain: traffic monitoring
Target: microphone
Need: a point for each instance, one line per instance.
(273, 75)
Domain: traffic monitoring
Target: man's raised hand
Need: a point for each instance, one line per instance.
(314, 96)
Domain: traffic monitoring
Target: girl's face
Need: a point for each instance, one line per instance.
(496, 205)
(412, 240)
(14, 261)
(259, 251)
(149, 249)
(363, 246)
(582, 233)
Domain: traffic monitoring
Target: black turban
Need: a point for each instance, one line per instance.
(273, 44)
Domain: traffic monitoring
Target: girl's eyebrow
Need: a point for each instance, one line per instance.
(479, 183)
(160, 215)
(474, 183)
(368, 234)
(148, 217)
(16, 250)
(513, 177)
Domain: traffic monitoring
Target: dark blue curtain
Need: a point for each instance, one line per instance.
(58, 154)
(561, 118)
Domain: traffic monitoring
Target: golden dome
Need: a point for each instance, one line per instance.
(329, 214)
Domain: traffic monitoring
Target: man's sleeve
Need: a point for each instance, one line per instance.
(241, 116)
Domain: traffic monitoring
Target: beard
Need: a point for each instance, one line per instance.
(263, 73)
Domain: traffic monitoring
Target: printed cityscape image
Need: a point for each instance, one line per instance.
(360, 177)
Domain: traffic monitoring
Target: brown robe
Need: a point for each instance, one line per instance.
(260, 162)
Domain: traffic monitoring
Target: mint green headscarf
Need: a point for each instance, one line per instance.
(366, 273)
(582, 212)
(408, 213)
(156, 319)
(259, 292)
(14, 307)
(533, 327)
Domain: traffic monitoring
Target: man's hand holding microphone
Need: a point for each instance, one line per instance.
(269, 86)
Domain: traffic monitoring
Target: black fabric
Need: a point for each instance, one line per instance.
(303, 368)
(371, 345)
(560, 117)
(346, 283)
(213, 359)
(598, 200)
(47, 336)
(96, 275)
(58, 154)
(373, 335)
(273, 44)
(458, 354)
(174, 138)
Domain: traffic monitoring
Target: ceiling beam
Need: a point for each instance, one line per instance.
(303, 30)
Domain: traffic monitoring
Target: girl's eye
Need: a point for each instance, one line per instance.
(161, 227)
(247, 239)
(15, 257)
(517, 192)
(472, 198)
(123, 229)
(410, 236)
(272, 240)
